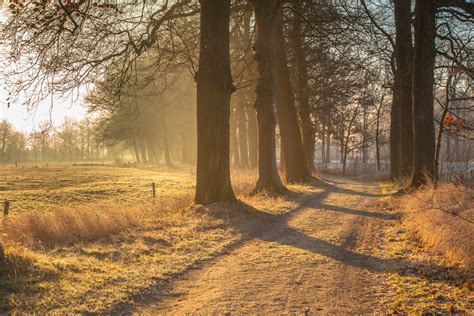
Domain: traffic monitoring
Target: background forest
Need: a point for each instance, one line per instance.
(336, 63)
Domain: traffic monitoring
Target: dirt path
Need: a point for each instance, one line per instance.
(319, 259)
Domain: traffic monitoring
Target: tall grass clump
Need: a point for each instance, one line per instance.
(67, 226)
(443, 218)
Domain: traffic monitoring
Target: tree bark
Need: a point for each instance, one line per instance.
(377, 130)
(344, 158)
(268, 177)
(328, 147)
(243, 139)
(302, 90)
(395, 170)
(253, 136)
(323, 144)
(403, 57)
(377, 140)
(441, 127)
(365, 134)
(291, 144)
(214, 88)
(282, 155)
(234, 140)
(248, 102)
(423, 81)
(342, 150)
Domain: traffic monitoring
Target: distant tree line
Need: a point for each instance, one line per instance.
(71, 141)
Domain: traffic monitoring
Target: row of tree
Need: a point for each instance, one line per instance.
(352, 73)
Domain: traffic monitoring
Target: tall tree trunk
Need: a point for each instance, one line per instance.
(377, 140)
(253, 136)
(243, 137)
(282, 155)
(323, 144)
(234, 140)
(328, 147)
(248, 101)
(214, 88)
(344, 158)
(395, 170)
(377, 130)
(404, 57)
(268, 177)
(342, 150)
(291, 144)
(365, 135)
(441, 127)
(302, 90)
(423, 81)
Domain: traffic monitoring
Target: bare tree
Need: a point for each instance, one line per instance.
(214, 89)
(268, 177)
(296, 167)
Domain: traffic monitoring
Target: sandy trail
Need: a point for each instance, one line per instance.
(320, 258)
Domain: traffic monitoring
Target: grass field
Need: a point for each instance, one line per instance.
(36, 187)
(91, 238)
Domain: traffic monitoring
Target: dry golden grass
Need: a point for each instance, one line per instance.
(433, 247)
(66, 226)
(120, 245)
(38, 188)
(442, 218)
(98, 276)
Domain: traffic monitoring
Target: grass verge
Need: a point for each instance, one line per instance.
(430, 240)
(443, 218)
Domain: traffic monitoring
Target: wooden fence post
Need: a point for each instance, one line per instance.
(153, 187)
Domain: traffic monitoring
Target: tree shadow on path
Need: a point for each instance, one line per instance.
(276, 228)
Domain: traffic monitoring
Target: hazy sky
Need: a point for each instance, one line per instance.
(25, 121)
